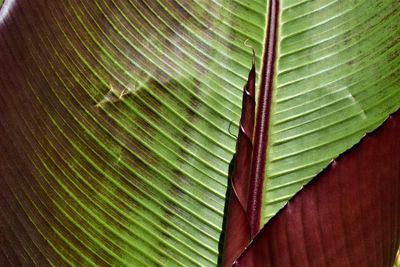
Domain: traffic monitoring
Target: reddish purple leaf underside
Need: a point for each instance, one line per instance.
(349, 215)
(237, 227)
(244, 202)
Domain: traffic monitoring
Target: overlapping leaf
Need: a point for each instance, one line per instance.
(347, 216)
(115, 116)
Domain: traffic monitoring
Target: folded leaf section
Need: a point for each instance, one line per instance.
(237, 229)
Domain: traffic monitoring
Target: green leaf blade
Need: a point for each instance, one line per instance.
(122, 117)
(337, 79)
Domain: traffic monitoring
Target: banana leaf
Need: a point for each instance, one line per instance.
(355, 224)
(116, 117)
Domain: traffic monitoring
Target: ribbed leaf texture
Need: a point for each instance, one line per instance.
(349, 215)
(114, 128)
(115, 114)
(337, 77)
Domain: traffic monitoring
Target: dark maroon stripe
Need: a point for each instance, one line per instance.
(263, 114)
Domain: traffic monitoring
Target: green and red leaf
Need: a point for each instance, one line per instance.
(349, 215)
(115, 117)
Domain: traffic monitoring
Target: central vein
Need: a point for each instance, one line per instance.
(262, 121)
